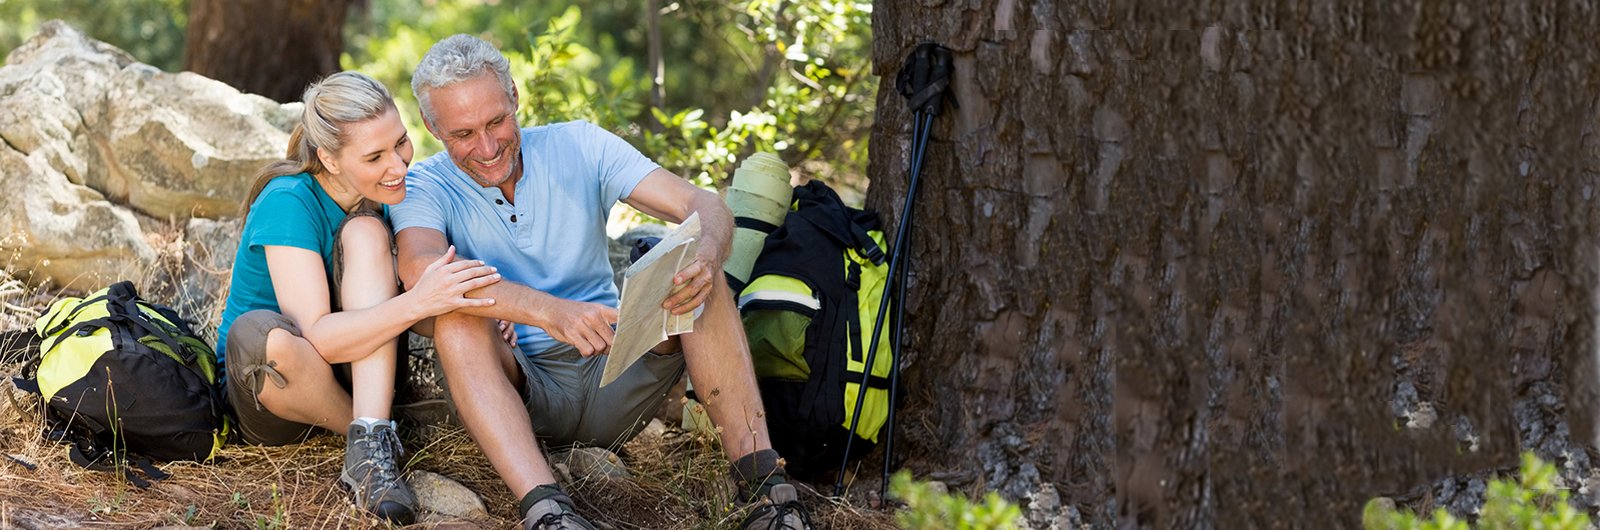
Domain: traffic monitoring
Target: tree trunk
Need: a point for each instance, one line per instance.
(1246, 279)
(274, 48)
(657, 69)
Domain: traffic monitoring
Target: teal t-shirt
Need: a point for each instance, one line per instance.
(291, 211)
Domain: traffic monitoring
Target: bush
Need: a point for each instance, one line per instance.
(1533, 503)
(927, 509)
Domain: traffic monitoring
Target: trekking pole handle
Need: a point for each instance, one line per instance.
(925, 78)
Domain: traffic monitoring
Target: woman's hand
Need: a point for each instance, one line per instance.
(445, 283)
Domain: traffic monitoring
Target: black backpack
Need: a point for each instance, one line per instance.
(808, 311)
(123, 380)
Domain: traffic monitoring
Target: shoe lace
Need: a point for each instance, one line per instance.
(382, 449)
(552, 521)
(780, 514)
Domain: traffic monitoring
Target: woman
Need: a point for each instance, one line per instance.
(308, 338)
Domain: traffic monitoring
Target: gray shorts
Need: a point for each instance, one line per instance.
(567, 407)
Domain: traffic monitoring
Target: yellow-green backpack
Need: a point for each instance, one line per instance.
(123, 379)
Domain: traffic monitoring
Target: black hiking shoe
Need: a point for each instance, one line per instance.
(552, 514)
(780, 511)
(372, 472)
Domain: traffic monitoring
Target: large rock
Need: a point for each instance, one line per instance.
(169, 145)
(89, 137)
(209, 248)
(181, 145)
(54, 230)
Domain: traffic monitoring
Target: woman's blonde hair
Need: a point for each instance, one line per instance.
(330, 104)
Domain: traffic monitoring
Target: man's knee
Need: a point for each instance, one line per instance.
(457, 326)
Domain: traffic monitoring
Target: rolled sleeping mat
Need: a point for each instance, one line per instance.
(759, 199)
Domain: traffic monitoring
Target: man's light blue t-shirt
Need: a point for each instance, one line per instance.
(290, 211)
(552, 237)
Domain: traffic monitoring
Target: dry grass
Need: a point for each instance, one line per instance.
(679, 479)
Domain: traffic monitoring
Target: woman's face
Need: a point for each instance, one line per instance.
(374, 159)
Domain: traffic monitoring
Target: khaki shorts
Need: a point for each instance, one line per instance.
(249, 370)
(567, 407)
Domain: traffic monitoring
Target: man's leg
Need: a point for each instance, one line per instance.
(724, 377)
(484, 380)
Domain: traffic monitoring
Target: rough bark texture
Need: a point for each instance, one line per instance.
(274, 48)
(1228, 277)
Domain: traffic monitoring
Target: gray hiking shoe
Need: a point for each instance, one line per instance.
(552, 514)
(780, 511)
(372, 472)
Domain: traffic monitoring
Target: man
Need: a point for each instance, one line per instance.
(533, 202)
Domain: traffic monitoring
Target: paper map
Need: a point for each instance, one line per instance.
(641, 322)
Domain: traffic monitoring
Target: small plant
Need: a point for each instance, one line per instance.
(188, 517)
(932, 510)
(1532, 502)
(280, 514)
(103, 506)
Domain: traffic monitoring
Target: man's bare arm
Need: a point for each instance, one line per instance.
(669, 197)
(586, 326)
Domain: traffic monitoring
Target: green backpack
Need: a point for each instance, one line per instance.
(123, 380)
(808, 311)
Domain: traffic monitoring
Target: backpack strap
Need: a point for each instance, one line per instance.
(755, 224)
(71, 315)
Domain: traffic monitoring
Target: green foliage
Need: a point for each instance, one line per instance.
(151, 30)
(739, 76)
(806, 86)
(928, 509)
(1534, 502)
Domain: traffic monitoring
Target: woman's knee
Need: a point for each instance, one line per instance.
(365, 240)
(366, 259)
(293, 356)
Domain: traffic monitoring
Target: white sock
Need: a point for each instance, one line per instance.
(370, 422)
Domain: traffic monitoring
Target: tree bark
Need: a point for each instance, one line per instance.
(274, 48)
(1229, 278)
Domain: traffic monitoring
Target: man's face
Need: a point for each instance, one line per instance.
(477, 123)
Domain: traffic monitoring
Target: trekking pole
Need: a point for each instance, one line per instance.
(923, 80)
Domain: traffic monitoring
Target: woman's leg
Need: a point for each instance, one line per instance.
(278, 383)
(310, 394)
(367, 278)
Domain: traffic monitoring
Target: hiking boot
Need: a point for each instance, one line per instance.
(780, 511)
(372, 472)
(552, 514)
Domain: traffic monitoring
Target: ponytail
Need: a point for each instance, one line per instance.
(337, 100)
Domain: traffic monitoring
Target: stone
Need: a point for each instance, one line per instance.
(181, 145)
(168, 144)
(28, 519)
(585, 463)
(209, 246)
(52, 230)
(441, 495)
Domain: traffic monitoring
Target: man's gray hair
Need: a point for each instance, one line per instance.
(455, 59)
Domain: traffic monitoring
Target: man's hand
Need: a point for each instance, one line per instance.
(586, 326)
(508, 331)
(690, 286)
